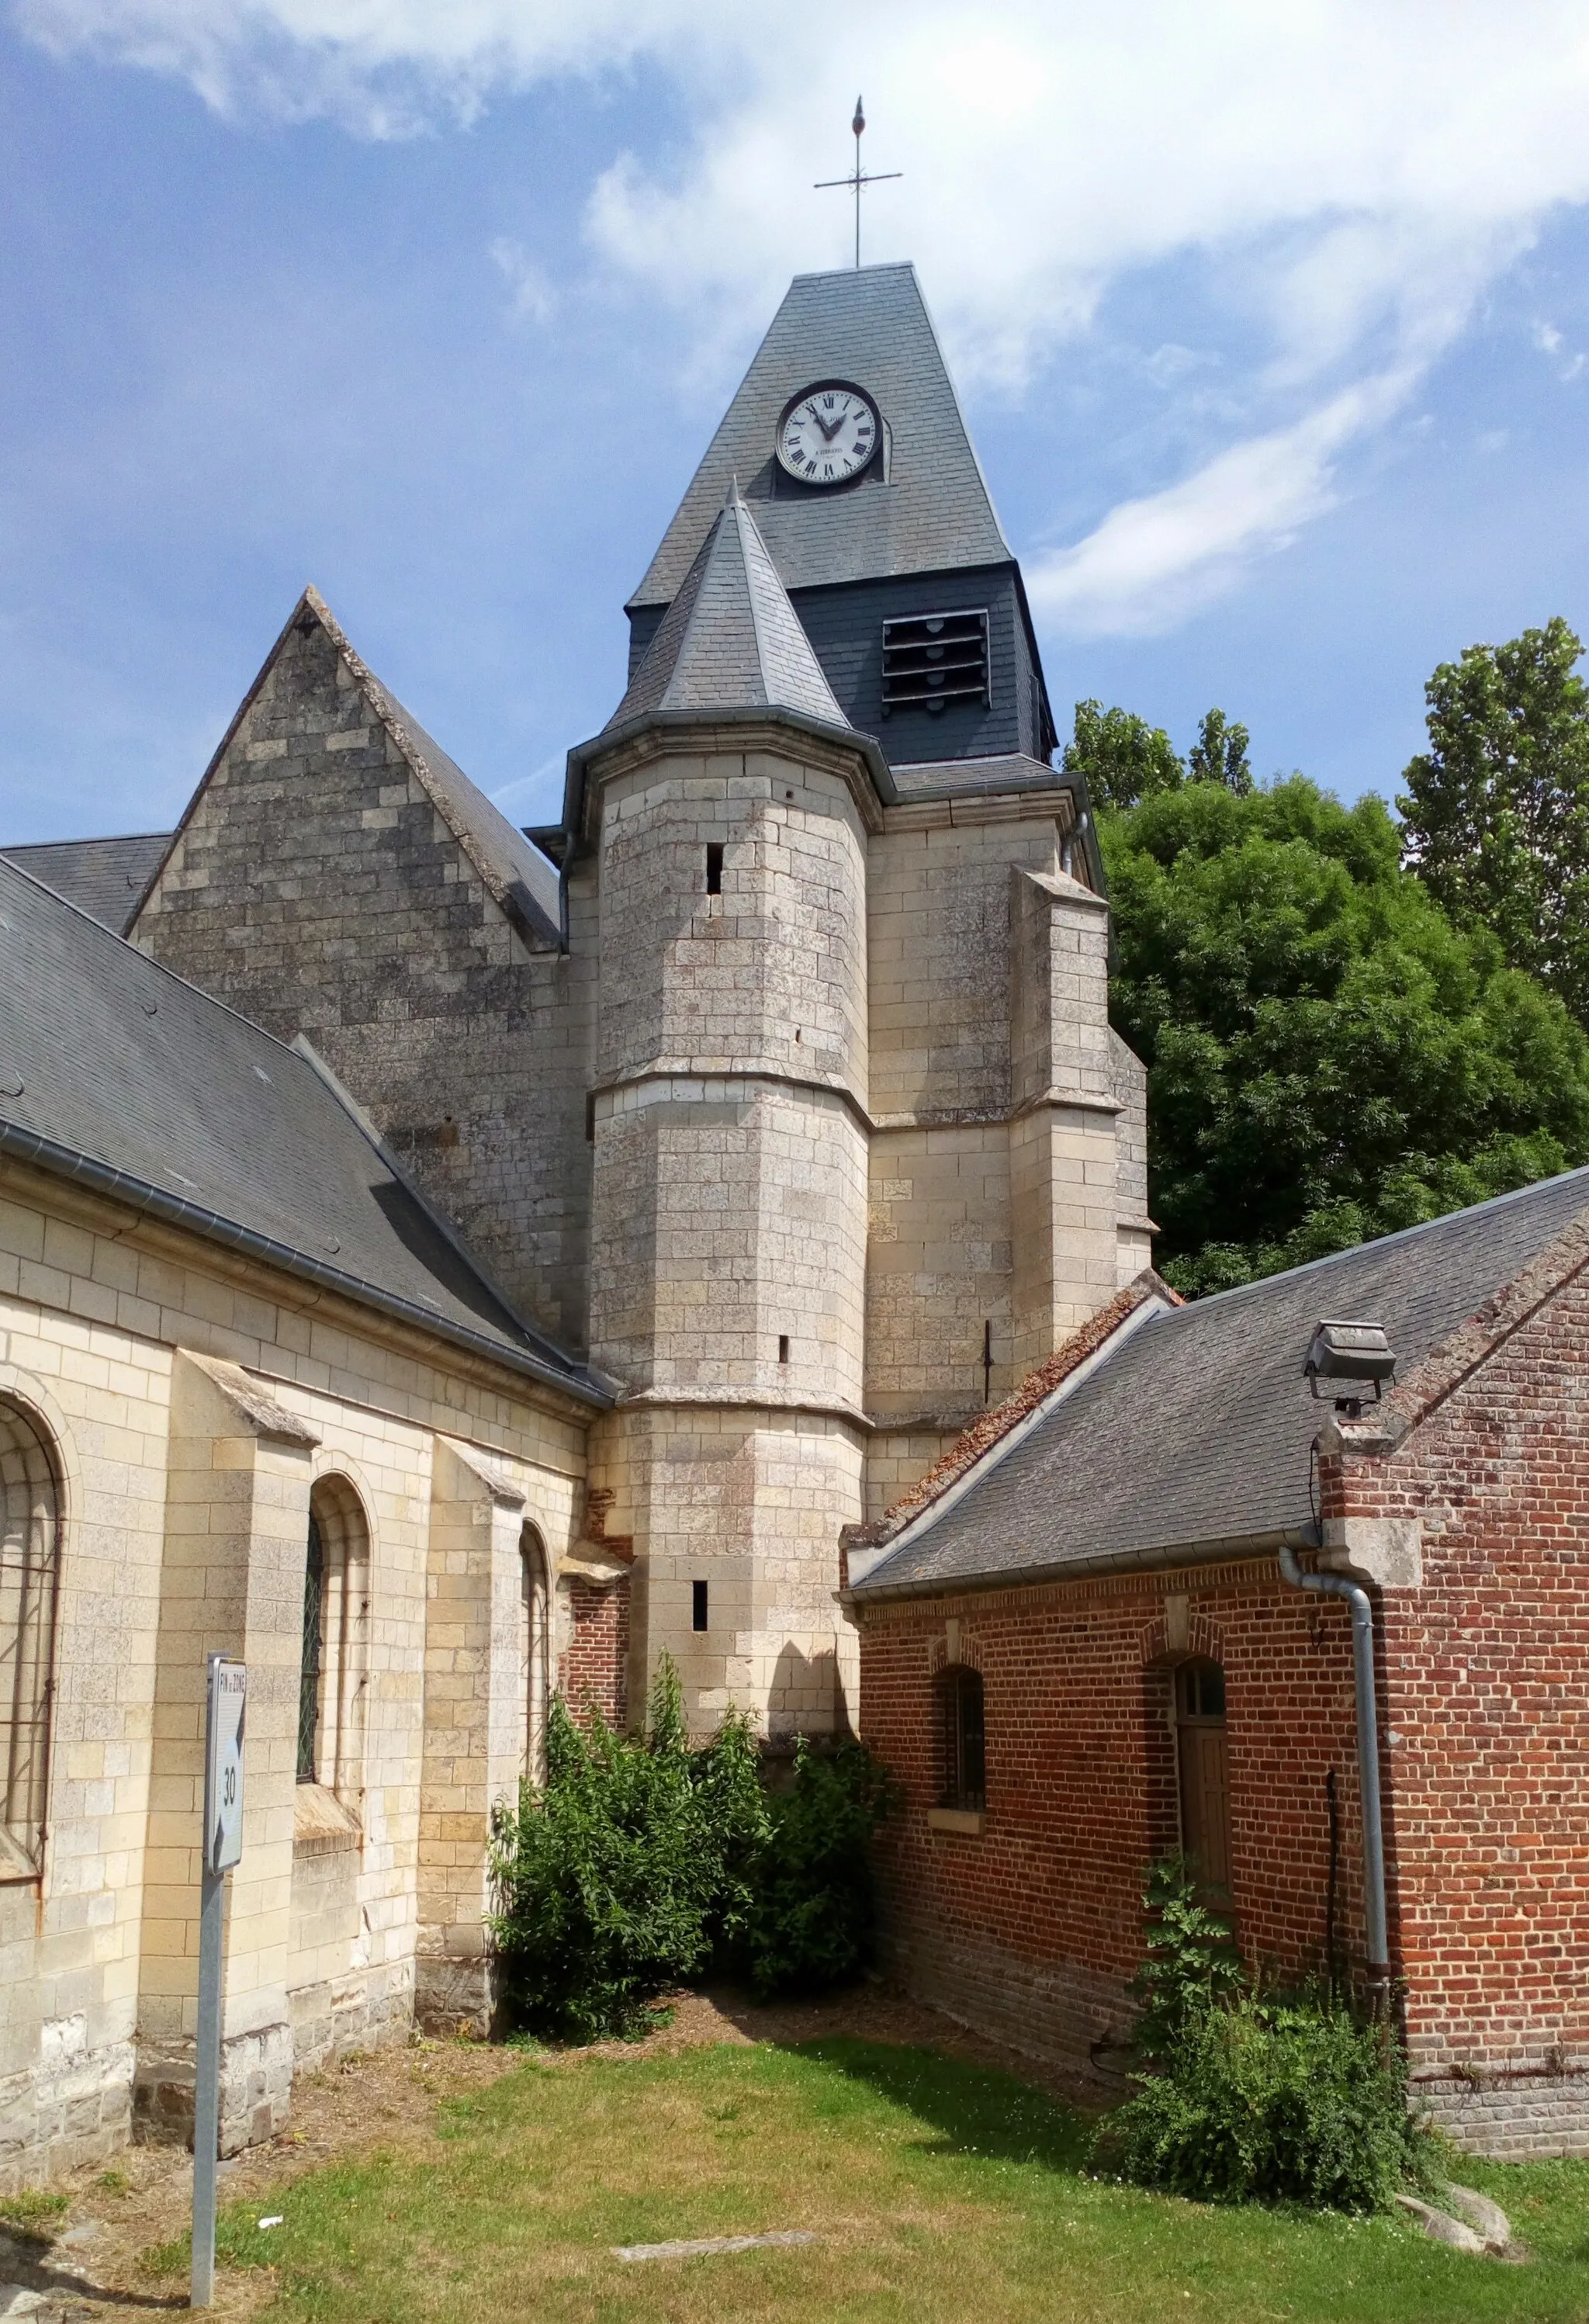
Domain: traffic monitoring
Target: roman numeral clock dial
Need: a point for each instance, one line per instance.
(829, 434)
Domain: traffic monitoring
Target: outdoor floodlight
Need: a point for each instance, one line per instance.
(1349, 1351)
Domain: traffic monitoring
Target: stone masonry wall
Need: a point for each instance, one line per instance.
(315, 888)
(999, 1184)
(184, 1527)
(729, 1213)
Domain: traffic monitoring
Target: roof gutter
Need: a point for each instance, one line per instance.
(176, 1210)
(1163, 1559)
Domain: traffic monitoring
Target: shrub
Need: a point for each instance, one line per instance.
(614, 1880)
(640, 1862)
(810, 1922)
(1253, 2098)
(1258, 2099)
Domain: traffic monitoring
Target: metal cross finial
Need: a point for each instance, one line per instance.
(860, 177)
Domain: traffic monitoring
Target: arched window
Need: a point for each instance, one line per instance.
(964, 1755)
(1204, 1771)
(29, 1564)
(336, 1629)
(534, 1649)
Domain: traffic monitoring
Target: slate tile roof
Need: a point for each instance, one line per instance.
(869, 327)
(102, 877)
(1009, 770)
(115, 1073)
(730, 640)
(1193, 1427)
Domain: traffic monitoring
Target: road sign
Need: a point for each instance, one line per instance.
(226, 1702)
(223, 1774)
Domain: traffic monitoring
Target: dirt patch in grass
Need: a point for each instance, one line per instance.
(117, 2242)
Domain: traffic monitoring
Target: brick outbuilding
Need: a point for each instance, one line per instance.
(1079, 1649)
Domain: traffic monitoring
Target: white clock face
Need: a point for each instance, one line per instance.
(828, 435)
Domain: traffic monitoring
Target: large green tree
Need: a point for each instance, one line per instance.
(1329, 1058)
(1497, 808)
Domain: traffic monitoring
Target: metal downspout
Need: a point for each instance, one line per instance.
(1334, 1585)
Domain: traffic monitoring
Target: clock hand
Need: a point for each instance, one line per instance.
(830, 433)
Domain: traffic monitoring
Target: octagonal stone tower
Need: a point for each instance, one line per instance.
(727, 809)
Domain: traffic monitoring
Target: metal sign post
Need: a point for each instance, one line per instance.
(227, 1698)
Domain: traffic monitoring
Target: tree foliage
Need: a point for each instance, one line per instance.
(1328, 1058)
(1121, 757)
(1497, 809)
(1125, 760)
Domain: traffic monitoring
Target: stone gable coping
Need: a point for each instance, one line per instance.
(1386, 1426)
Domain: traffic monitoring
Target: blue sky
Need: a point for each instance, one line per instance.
(1272, 335)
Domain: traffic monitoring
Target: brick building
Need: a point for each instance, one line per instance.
(1087, 1638)
(438, 1260)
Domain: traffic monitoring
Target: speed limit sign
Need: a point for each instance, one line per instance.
(223, 1777)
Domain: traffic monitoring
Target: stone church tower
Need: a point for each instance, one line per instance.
(776, 1079)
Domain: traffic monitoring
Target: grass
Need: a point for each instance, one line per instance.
(32, 2212)
(939, 2190)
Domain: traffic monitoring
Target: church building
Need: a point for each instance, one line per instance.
(440, 1262)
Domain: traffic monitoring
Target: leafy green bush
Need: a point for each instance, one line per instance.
(810, 1923)
(615, 1880)
(1252, 2097)
(638, 1863)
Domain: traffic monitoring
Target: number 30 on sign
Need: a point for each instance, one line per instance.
(223, 1779)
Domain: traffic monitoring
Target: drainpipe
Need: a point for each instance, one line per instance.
(1333, 1585)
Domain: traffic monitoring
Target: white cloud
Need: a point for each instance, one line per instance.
(534, 294)
(1155, 560)
(1346, 179)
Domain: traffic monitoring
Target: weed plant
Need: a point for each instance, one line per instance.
(1249, 2095)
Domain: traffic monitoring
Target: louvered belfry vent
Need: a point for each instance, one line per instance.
(932, 658)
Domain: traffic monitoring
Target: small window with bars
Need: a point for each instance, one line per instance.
(930, 659)
(965, 1749)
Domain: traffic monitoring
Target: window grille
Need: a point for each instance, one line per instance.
(932, 658)
(965, 1743)
(314, 1636)
(30, 1567)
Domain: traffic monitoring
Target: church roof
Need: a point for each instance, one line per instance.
(102, 877)
(1191, 1428)
(870, 326)
(730, 640)
(123, 1078)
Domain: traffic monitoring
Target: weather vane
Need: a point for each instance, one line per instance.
(860, 177)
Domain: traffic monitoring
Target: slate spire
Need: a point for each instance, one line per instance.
(731, 640)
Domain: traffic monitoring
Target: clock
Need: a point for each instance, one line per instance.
(828, 433)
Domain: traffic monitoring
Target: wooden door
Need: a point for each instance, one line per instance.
(1204, 1772)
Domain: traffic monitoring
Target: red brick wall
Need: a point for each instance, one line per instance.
(1034, 1927)
(596, 1664)
(1487, 1713)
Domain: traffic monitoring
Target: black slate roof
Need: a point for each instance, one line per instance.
(117, 1073)
(730, 640)
(869, 326)
(102, 877)
(1196, 1428)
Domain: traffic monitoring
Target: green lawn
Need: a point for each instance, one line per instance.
(938, 2191)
